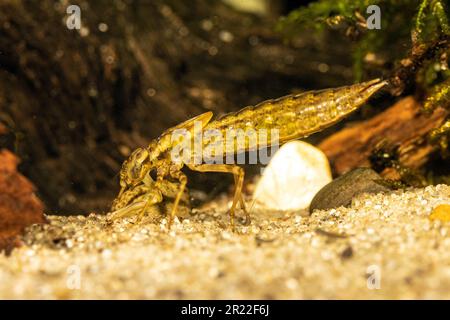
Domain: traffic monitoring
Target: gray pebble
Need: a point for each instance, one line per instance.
(342, 190)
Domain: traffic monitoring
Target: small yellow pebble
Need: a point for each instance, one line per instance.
(441, 212)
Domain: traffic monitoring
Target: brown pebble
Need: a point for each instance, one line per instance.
(19, 207)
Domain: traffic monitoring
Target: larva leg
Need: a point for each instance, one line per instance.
(126, 211)
(242, 203)
(152, 196)
(122, 204)
(238, 173)
(181, 177)
(139, 205)
(150, 199)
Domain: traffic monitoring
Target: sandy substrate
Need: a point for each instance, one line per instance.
(384, 246)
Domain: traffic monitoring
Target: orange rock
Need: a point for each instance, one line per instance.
(19, 206)
(441, 212)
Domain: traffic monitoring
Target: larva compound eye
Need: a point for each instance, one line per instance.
(136, 162)
(133, 168)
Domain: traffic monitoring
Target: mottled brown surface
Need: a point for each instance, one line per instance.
(403, 124)
(19, 207)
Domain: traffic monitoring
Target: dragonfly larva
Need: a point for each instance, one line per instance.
(293, 117)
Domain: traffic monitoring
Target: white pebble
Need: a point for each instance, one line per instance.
(293, 177)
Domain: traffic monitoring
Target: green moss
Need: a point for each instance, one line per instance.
(426, 20)
(414, 36)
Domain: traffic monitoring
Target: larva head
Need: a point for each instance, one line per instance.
(134, 168)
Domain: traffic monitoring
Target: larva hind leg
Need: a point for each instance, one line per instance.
(242, 204)
(238, 173)
(181, 177)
